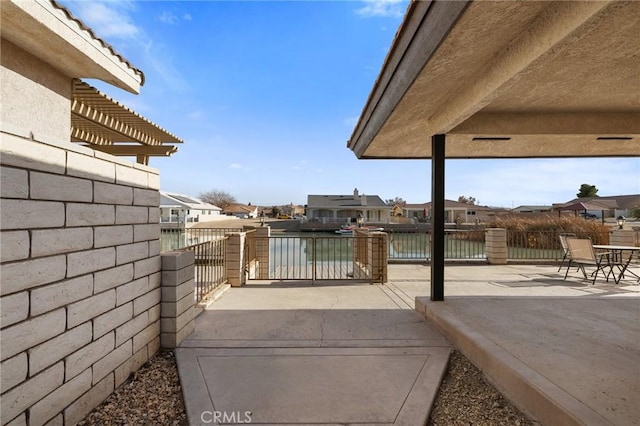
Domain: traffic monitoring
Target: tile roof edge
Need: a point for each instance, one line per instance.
(93, 35)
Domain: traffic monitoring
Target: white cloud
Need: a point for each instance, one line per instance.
(195, 115)
(350, 121)
(238, 166)
(115, 19)
(383, 8)
(168, 18)
(109, 19)
(172, 19)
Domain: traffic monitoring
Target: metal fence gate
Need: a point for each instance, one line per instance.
(308, 258)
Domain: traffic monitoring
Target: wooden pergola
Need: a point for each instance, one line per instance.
(103, 124)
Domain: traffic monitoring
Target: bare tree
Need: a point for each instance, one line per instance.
(467, 200)
(218, 198)
(394, 201)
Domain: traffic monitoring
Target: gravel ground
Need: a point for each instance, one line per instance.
(466, 398)
(153, 397)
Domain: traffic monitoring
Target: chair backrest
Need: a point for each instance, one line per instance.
(563, 241)
(581, 249)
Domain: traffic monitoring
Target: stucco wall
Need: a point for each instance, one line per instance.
(34, 95)
(80, 277)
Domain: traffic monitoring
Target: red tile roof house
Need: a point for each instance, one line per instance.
(80, 298)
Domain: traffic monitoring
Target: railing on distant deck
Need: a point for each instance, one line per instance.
(210, 271)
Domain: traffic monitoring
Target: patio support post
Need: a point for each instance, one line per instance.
(437, 217)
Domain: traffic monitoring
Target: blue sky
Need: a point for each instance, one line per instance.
(266, 94)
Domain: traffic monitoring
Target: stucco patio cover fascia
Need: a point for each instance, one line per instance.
(49, 31)
(108, 126)
(508, 79)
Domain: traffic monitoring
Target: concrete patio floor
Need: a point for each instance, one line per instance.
(565, 352)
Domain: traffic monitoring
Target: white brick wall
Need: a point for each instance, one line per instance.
(83, 166)
(59, 399)
(110, 320)
(104, 280)
(90, 214)
(112, 194)
(15, 246)
(80, 297)
(56, 349)
(29, 392)
(131, 214)
(61, 240)
(23, 275)
(105, 236)
(13, 308)
(27, 334)
(88, 355)
(47, 186)
(47, 298)
(29, 214)
(14, 183)
(14, 371)
(89, 308)
(83, 262)
(146, 197)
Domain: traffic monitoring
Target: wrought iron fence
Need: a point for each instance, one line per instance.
(177, 238)
(544, 245)
(210, 271)
(306, 258)
(459, 245)
(470, 245)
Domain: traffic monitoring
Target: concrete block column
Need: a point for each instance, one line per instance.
(622, 237)
(496, 246)
(378, 254)
(361, 246)
(234, 259)
(177, 303)
(262, 251)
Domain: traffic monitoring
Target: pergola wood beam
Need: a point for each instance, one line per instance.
(87, 136)
(135, 150)
(100, 118)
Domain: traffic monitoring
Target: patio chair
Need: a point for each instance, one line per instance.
(581, 253)
(565, 249)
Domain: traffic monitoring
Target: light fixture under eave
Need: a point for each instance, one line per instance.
(482, 138)
(614, 138)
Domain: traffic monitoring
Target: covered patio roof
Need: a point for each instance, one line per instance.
(103, 124)
(508, 80)
(504, 79)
